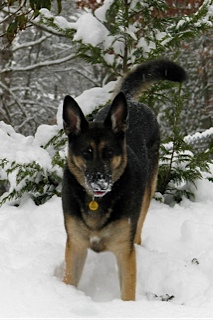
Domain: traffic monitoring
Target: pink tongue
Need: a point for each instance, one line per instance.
(99, 193)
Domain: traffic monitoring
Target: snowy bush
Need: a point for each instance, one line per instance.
(114, 37)
(181, 165)
(119, 33)
(179, 171)
(32, 165)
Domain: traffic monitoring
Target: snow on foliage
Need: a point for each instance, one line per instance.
(85, 24)
(100, 13)
(37, 162)
(21, 149)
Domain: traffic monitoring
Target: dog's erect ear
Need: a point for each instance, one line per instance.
(73, 117)
(117, 118)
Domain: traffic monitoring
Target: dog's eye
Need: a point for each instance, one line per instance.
(107, 153)
(88, 153)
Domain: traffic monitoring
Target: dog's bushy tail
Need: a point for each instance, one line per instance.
(143, 75)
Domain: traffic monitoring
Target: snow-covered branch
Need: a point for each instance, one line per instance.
(48, 29)
(31, 43)
(39, 65)
(198, 140)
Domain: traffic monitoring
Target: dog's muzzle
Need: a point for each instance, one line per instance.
(99, 184)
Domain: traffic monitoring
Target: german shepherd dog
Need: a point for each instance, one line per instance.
(111, 173)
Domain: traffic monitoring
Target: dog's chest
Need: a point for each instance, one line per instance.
(95, 232)
(94, 216)
(108, 237)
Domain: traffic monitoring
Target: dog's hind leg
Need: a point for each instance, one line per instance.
(144, 209)
(148, 194)
(74, 262)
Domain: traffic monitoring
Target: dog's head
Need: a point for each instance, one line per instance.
(97, 150)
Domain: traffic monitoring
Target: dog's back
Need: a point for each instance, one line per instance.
(143, 126)
(143, 135)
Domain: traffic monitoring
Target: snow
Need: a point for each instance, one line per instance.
(46, 13)
(94, 97)
(147, 46)
(176, 259)
(199, 136)
(90, 99)
(100, 13)
(60, 21)
(174, 264)
(15, 147)
(90, 30)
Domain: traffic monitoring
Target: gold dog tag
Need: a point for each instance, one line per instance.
(93, 205)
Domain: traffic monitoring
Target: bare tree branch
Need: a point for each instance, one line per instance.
(81, 73)
(15, 98)
(17, 127)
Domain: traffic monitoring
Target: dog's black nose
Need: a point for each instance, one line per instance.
(99, 183)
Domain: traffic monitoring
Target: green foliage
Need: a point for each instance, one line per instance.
(20, 14)
(31, 178)
(180, 165)
(127, 25)
(137, 30)
(179, 170)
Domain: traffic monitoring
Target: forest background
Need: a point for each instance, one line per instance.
(43, 59)
(53, 48)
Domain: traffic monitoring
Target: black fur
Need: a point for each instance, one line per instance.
(114, 161)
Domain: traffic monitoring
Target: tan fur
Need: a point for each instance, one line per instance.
(116, 161)
(144, 209)
(118, 166)
(148, 195)
(104, 229)
(144, 85)
(76, 165)
(114, 237)
(75, 257)
(94, 220)
(127, 273)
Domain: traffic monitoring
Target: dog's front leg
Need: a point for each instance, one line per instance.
(127, 273)
(74, 262)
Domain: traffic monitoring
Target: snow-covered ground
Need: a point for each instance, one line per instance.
(175, 261)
